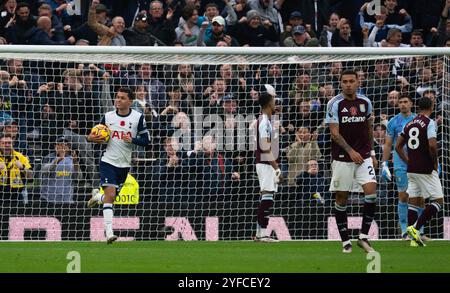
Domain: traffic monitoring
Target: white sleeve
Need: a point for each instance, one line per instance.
(264, 130)
(332, 113)
(431, 130)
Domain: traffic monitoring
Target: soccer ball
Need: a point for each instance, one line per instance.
(101, 129)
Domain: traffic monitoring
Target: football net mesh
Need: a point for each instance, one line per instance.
(197, 179)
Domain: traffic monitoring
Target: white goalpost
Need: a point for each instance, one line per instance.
(197, 179)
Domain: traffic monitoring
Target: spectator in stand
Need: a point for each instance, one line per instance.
(229, 114)
(212, 11)
(393, 39)
(63, 103)
(18, 26)
(417, 39)
(213, 96)
(190, 83)
(235, 85)
(328, 30)
(266, 11)
(304, 149)
(138, 35)
(175, 103)
(426, 81)
(10, 127)
(140, 103)
(169, 174)
(311, 182)
(391, 108)
(295, 19)
(60, 8)
(362, 79)
(342, 35)
(393, 16)
(442, 33)
(326, 93)
(15, 169)
(240, 8)
(85, 32)
(302, 88)
(57, 26)
(5, 113)
(163, 29)
(23, 78)
(314, 12)
(22, 88)
(381, 26)
(299, 37)
(7, 12)
(48, 117)
(218, 34)
(209, 172)
(379, 137)
(190, 34)
(43, 34)
(305, 114)
(155, 88)
(109, 36)
(75, 97)
(60, 172)
(277, 77)
(332, 74)
(380, 82)
(254, 33)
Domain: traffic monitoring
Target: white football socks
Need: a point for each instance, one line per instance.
(263, 232)
(108, 214)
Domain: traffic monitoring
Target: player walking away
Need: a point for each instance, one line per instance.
(127, 127)
(419, 136)
(351, 128)
(394, 128)
(269, 174)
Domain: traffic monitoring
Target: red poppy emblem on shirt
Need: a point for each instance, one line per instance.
(353, 111)
(122, 123)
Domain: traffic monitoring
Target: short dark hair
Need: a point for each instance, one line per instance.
(2, 135)
(187, 11)
(211, 5)
(405, 95)
(264, 99)
(128, 91)
(383, 127)
(425, 103)
(348, 72)
(417, 33)
(23, 4)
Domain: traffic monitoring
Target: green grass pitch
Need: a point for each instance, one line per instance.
(221, 257)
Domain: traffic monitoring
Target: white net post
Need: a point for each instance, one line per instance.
(193, 187)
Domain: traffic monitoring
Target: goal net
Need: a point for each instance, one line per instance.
(197, 178)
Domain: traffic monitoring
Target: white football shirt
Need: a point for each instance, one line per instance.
(118, 152)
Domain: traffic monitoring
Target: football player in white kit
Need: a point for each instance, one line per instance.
(269, 174)
(127, 127)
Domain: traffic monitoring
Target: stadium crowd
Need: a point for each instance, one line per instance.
(48, 108)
